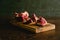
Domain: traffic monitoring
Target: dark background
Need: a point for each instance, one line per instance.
(46, 8)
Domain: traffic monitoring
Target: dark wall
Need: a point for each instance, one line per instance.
(46, 8)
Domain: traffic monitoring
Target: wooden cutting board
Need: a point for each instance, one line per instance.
(34, 28)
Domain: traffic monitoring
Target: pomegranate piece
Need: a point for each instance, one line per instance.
(16, 14)
(21, 16)
(25, 15)
(28, 21)
(42, 21)
(34, 18)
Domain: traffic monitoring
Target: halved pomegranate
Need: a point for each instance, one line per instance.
(42, 21)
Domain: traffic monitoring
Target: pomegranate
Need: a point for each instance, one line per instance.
(21, 16)
(16, 14)
(42, 21)
(25, 16)
(34, 18)
(28, 21)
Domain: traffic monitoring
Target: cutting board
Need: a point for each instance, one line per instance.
(34, 28)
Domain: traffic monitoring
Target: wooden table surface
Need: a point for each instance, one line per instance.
(10, 32)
